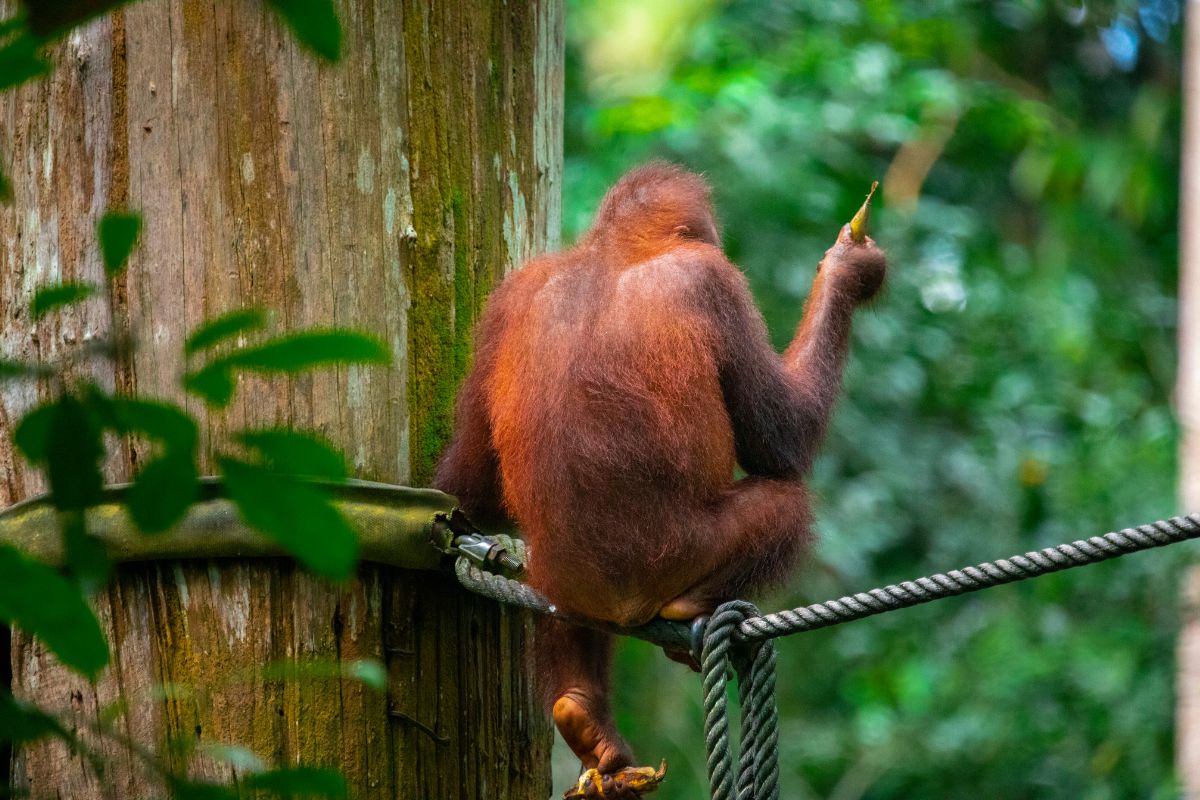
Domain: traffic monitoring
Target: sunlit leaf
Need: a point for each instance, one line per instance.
(296, 452)
(218, 329)
(54, 297)
(118, 233)
(60, 617)
(296, 514)
(304, 350)
(314, 23)
(299, 782)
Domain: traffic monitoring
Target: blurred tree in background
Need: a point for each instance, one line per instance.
(1011, 390)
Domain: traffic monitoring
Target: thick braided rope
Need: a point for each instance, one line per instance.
(714, 666)
(759, 761)
(737, 623)
(498, 587)
(970, 579)
(758, 767)
(864, 604)
(661, 632)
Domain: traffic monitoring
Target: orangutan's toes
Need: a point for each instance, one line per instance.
(629, 783)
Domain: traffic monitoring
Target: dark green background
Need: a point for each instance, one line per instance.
(1011, 389)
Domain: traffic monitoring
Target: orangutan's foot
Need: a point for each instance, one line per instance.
(687, 607)
(592, 737)
(629, 783)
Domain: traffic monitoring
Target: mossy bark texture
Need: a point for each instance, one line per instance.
(388, 192)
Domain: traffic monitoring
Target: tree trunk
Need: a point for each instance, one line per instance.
(388, 192)
(1187, 397)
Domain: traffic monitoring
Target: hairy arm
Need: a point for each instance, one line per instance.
(780, 407)
(775, 432)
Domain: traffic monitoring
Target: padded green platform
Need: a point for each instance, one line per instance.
(393, 523)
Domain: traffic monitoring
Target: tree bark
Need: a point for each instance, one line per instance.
(388, 192)
(1187, 397)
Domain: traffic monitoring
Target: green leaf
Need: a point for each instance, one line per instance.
(296, 453)
(292, 353)
(32, 434)
(299, 782)
(368, 672)
(118, 232)
(45, 604)
(6, 188)
(304, 350)
(50, 298)
(213, 384)
(294, 513)
(167, 484)
(164, 422)
(163, 490)
(218, 329)
(75, 449)
(14, 23)
(111, 712)
(243, 759)
(51, 19)
(194, 790)
(21, 60)
(172, 691)
(86, 556)
(22, 722)
(11, 369)
(314, 23)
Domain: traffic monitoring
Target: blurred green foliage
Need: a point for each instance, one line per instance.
(1010, 391)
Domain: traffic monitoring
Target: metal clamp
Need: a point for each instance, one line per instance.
(454, 534)
(485, 552)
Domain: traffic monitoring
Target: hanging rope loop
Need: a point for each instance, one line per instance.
(753, 664)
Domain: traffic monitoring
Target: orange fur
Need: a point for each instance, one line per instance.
(615, 387)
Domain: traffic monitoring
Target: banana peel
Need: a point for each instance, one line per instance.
(642, 780)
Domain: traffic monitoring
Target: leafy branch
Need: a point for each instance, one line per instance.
(275, 476)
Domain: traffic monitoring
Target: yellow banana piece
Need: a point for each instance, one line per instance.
(858, 225)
